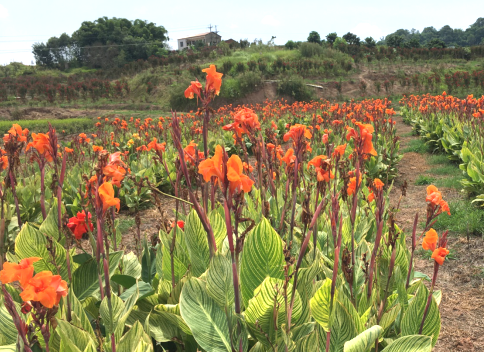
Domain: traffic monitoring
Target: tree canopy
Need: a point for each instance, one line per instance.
(444, 37)
(105, 42)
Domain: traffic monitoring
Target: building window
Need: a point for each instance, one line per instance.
(181, 44)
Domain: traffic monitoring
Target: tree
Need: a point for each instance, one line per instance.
(331, 37)
(394, 40)
(351, 38)
(413, 43)
(290, 45)
(370, 42)
(117, 40)
(436, 43)
(314, 37)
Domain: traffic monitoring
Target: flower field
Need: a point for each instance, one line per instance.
(283, 237)
(455, 127)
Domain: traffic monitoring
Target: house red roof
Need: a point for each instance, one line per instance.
(196, 35)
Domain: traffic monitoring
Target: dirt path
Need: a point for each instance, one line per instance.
(461, 280)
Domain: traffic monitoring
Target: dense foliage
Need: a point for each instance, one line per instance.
(105, 42)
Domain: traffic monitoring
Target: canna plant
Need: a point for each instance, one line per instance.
(290, 246)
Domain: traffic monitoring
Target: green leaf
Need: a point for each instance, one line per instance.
(342, 327)
(412, 343)
(148, 263)
(220, 284)
(72, 338)
(205, 318)
(144, 289)
(321, 305)
(7, 327)
(30, 242)
(412, 319)
(124, 280)
(111, 312)
(218, 226)
(79, 311)
(85, 280)
(135, 340)
(261, 257)
(364, 341)
(197, 245)
(165, 323)
(268, 302)
(49, 226)
(131, 265)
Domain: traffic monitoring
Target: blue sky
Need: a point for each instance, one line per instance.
(22, 23)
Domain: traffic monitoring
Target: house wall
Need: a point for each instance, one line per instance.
(182, 44)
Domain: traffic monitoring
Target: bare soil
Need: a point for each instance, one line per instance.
(461, 280)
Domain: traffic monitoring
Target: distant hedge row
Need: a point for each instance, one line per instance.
(68, 126)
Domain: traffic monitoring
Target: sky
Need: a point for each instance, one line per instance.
(22, 23)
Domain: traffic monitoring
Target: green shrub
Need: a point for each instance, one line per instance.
(76, 125)
(295, 87)
(231, 89)
(310, 49)
(177, 98)
(249, 82)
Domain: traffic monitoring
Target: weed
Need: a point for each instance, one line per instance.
(465, 219)
(423, 180)
(417, 146)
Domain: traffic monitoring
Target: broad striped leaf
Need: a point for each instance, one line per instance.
(49, 226)
(30, 242)
(78, 310)
(342, 328)
(412, 343)
(413, 316)
(165, 323)
(305, 285)
(131, 265)
(110, 315)
(7, 327)
(220, 285)
(8, 348)
(72, 336)
(205, 318)
(135, 340)
(85, 281)
(219, 228)
(269, 300)
(364, 341)
(180, 257)
(262, 257)
(320, 305)
(197, 245)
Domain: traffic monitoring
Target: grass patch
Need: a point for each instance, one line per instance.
(423, 180)
(436, 159)
(417, 146)
(125, 224)
(449, 182)
(75, 125)
(465, 219)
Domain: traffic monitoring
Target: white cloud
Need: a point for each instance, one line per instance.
(234, 26)
(270, 20)
(364, 30)
(3, 12)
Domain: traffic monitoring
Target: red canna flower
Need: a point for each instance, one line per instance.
(78, 225)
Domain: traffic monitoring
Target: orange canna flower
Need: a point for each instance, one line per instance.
(97, 148)
(41, 143)
(235, 176)
(321, 165)
(17, 132)
(194, 89)
(430, 240)
(212, 166)
(3, 162)
(340, 150)
(114, 173)
(68, 150)
(378, 184)
(439, 255)
(156, 146)
(21, 272)
(289, 157)
(214, 80)
(106, 193)
(296, 132)
(371, 196)
(45, 288)
(352, 185)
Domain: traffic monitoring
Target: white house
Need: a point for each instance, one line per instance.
(208, 38)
